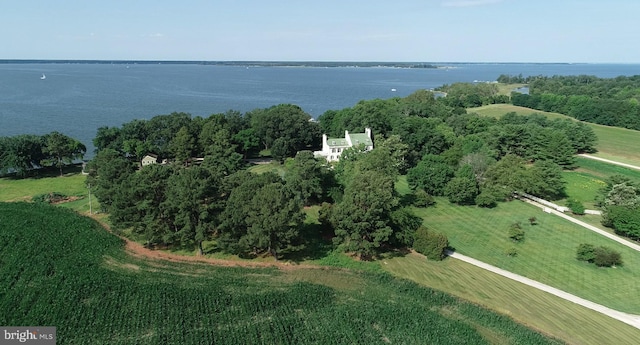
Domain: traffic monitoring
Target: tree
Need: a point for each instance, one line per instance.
(182, 146)
(361, 220)
(107, 171)
(544, 179)
(624, 220)
(585, 252)
(20, 153)
(431, 174)
(404, 224)
(274, 220)
(194, 204)
(247, 141)
(431, 244)
(260, 215)
(606, 257)
(288, 122)
(461, 190)
(306, 177)
(62, 149)
(506, 176)
(575, 206)
(601, 256)
(516, 233)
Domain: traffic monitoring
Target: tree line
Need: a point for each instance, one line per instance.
(606, 101)
(441, 149)
(26, 154)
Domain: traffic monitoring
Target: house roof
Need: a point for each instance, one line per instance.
(360, 138)
(335, 142)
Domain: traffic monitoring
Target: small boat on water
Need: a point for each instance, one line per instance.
(393, 90)
(43, 76)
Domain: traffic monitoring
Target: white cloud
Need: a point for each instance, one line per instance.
(469, 3)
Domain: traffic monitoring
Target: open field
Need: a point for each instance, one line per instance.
(59, 259)
(582, 187)
(584, 182)
(614, 143)
(71, 184)
(506, 89)
(547, 253)
(538, 309)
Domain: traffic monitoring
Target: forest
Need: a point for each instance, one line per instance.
(442, 150)
(606, 101)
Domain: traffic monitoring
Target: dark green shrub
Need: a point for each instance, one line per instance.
(575, 206)
(606, 257)
(516, 233)
(601, 256)
(430, 243)
(585, 252)
(486, 199)
(49, 197)
(512, 252)
(422, 198)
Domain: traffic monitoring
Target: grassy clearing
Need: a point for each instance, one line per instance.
(547, 253)
(582, 187)
(553, 315)
(614, 143)
(274, 167)
(72, 184)
(506, 89)
(604, 170)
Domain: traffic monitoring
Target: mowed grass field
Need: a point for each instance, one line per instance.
(547, 253)
(540, 310)
(72, 184)
(584, 182)
(614, 143)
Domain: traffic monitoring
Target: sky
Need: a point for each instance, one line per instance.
(592, 31)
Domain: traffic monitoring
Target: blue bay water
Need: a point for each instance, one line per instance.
(76, 99)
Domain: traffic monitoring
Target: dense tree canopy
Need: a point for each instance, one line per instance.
(24, 153)
(607, 101)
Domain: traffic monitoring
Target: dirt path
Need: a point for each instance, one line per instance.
(610, 161)
(137, 250)
(630, 319)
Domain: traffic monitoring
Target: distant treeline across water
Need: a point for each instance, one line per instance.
(238, 63)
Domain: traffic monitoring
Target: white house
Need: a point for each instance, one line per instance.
(332, 148)
(149, 159)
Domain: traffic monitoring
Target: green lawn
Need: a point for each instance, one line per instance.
(547, 254)
(604, 170)
(271, 167)
(506, 89)
(540, 310)
(72, 184)
(584, 182)
(614, 143)
(582, 187)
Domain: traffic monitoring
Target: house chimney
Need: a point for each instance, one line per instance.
(367, 131)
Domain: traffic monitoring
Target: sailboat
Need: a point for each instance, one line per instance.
(43, 76)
